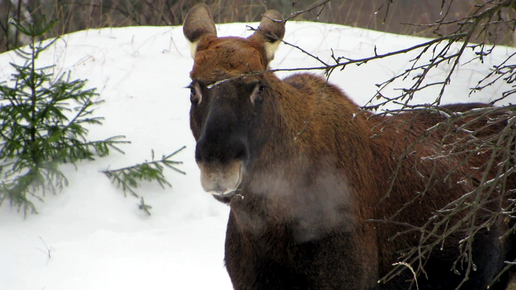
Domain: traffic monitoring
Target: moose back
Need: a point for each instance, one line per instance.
(295, 161)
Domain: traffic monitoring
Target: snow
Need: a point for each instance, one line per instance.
(90, 236)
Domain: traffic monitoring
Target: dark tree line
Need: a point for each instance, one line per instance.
(75, 15)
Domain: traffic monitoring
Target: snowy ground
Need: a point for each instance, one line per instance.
(92, 237)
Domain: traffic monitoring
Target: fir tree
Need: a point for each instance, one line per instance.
(43, 125)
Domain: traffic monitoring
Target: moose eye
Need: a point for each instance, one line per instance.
(195, 95)
(257, 95)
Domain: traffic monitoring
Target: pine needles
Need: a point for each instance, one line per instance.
(44, 119)
(152, 171)
(128, 177)
(43, 125)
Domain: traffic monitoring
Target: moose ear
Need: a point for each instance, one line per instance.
(270, 32)
(198, 23)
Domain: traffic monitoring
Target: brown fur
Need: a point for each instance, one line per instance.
(302, 215)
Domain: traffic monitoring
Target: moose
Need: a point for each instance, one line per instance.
(305, 181)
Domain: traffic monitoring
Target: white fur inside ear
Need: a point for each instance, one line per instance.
(193, 47)
(270, 49)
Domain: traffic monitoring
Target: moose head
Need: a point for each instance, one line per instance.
(228, 96)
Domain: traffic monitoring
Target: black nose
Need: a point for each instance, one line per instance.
(223, 134)
(219, 149)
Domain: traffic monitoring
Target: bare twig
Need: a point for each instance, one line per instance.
(47, 251)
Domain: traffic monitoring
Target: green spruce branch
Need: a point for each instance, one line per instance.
(128, 178)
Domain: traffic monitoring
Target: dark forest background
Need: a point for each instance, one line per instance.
(397, 16)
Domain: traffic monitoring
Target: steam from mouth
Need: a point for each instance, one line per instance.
(221, 180)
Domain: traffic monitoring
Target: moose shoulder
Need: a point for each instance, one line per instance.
(303, 194)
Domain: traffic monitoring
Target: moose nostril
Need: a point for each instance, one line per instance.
(241, 154)
(239, 150)
(206, 152)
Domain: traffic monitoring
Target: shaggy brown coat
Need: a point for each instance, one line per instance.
(305, 180)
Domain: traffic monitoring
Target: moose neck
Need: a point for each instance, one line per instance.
(303, 125)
